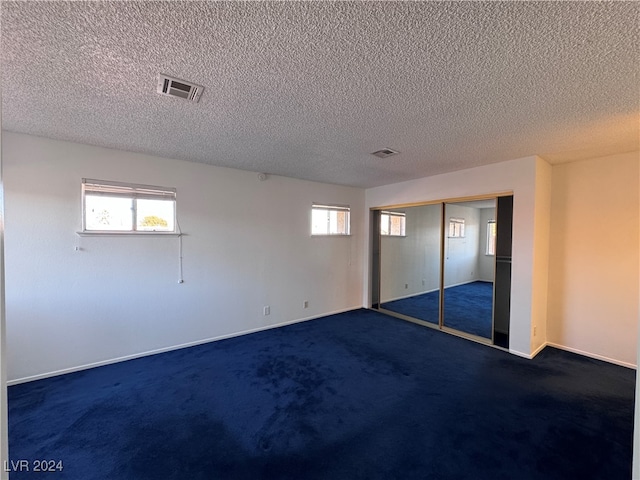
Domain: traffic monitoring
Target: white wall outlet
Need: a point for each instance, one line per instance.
(305, 304)
(266, 310)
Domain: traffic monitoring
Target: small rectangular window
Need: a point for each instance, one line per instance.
(491, 237)
(330, 219)
(456, 227)
(116, 207)
(393, 224)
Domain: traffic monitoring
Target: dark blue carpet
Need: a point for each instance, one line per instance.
(467, 307)
(352, 396)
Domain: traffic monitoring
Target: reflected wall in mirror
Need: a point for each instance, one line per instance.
(410, 243)
(469, 266)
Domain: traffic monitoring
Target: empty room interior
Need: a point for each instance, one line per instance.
(320, 240)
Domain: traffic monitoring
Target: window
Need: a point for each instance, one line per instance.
(456, 227)
(330, 220)
(393, 224)
(491, 237)
(124, 208)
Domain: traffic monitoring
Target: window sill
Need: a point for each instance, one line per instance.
(320, 235)
(129, 234)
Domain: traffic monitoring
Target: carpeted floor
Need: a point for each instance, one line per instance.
(467, 307)
(353, 396)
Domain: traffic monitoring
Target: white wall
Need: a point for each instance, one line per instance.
(247, 245)
(636, 419)
(4, 422)
(540, 277)
(461, 253)
(593, 267)
(413, 260)
(517, 176)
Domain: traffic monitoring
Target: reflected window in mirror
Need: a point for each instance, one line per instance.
(456, 227)
(393, 224)
(491, 237)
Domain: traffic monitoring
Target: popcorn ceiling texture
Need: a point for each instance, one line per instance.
(310, 89)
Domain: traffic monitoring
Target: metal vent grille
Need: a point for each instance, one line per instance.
(174, 87)
(384, 153)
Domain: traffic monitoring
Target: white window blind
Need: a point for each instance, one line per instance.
(393, 224)
(330, 219)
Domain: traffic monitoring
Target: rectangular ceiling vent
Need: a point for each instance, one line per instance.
(174, 87)
(384, 153)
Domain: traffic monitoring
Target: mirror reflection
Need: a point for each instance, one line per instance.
(437, 264)
(469, 266)
(410, 261)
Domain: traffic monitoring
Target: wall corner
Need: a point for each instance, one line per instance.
(540, 268)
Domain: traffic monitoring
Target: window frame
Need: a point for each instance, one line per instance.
(460, 223)
(134, 192)
(390, 214)
(332, 208)
(490, 248)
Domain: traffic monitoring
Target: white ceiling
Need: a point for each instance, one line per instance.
(309, 89)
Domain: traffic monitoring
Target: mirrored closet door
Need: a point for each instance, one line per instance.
(469, 265)
(410, 240)
(436, 264)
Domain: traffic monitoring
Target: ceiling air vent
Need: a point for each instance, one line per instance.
(385, 152)
(174, 87)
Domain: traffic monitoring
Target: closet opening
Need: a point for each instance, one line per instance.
(446, 265)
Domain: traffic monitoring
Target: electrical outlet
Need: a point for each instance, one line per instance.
(305, 304)
(266, 310)
(406, 285)
(535, 330)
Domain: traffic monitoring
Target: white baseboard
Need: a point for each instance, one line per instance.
(531, 355)
(434, 290)
(87, 366)
(409, 295)
(538, 350)
(592, 355)
(572, 350)
(277, 325)
(520, 354)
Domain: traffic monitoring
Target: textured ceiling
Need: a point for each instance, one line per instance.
(309, 89)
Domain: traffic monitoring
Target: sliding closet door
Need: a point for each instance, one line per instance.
(410, 240)
(446, 265)
(469, 267)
